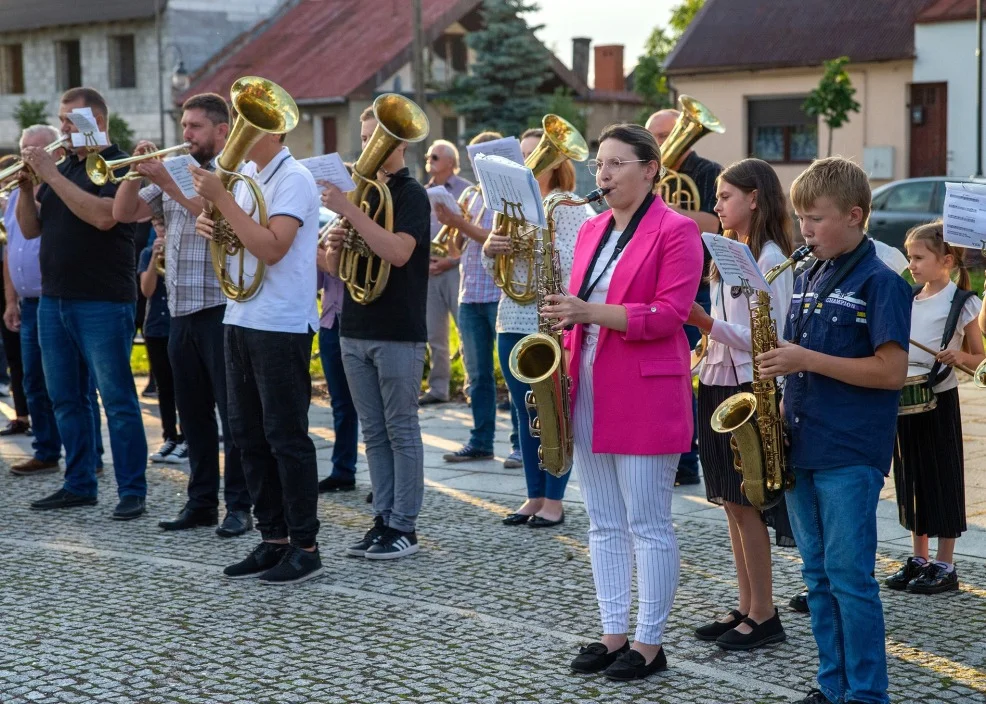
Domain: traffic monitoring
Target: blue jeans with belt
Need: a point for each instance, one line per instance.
(345, 421)
(688, 463)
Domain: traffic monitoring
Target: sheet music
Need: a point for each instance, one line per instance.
(504, 180)
(965, 214)
(85, 122)
(330, 167)
(736, 262)
(439, 194)
(178, 168)
(508, 148)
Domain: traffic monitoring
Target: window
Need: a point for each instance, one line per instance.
(912, 197)
(68, 65)
(11, 69)
(780, 131)
(123, 62)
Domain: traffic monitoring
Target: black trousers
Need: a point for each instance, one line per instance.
(270, 390)
(195, 348)
(12, 346)
(157, 355)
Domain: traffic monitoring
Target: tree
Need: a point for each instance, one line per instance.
(502, 92)
(120, 133)
(31, 112)
(649, 81)
(832, 99)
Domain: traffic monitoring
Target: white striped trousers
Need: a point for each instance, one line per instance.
(628, 498)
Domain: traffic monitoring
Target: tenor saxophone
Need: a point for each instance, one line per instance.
(538, 360)
(758, 446)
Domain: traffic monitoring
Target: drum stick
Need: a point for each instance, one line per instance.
(960, 367)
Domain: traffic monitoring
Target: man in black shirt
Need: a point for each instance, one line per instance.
(704, 173)
(383, 352)
(86, 314)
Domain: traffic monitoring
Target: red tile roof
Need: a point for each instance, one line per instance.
(949, 11)
(761, 34)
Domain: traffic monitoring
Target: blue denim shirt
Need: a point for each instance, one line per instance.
(831, 423)
(157, 319)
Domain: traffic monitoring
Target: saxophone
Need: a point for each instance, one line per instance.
(538, 360)
(758, 447)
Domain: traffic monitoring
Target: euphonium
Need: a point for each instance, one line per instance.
(446, 235)
(262, 107)
(694, 122)
(560, 141)
(398, 120)
(758, 449)
(101, 171)
(538, 359)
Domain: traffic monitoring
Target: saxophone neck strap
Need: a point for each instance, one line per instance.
(830, 284)
(588, 287)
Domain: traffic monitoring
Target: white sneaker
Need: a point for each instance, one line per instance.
(179, 455)
(164, 451)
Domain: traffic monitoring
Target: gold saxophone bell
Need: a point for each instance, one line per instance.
(62, 142)
(101, 171)
(441, 245)
(694, 122)
(262, 107)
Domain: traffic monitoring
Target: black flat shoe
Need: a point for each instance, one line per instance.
(799, 602)
(934, 580)
(770, 631)
(594, 658)
(129, 508)
(235, 523)
(632, 666)
(191, 518)
(336, 484)
(538, 522)
(516, 519)
(911, 569)
(717, 628)
(63, 498)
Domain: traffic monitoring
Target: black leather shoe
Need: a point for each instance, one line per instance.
(814, 697)
(129, 508)
(516, 519)
(369, 498)
(63, 498)
(191, 518)
(770, 631)
(16, 427)
(539, 522)
(934, 580)
(908, 571)
(717, 628)
(594, 658)
(632, 666)
(236, 523)
(799, 602)
(336, 484)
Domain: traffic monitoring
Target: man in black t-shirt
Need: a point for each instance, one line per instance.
(86, 314)
(383, 351)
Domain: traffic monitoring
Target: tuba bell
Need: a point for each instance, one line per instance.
(262, 107)
(694, 122)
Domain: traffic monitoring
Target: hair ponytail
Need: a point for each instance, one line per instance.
(932, 236)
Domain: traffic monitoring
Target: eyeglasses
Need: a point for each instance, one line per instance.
(614, 164)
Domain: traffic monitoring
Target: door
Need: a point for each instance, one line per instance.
(928, 129)
(329, 135)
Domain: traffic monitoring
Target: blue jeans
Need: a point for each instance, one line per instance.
(833, 514)
(688, 463)
(47, 443)
(82, 338)
(540, 484)
(345, 421)
(477, 328)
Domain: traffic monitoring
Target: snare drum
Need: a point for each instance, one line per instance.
(916, 396)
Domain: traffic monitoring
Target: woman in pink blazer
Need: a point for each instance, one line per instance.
(636, 271)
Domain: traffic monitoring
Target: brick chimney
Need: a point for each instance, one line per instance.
(580, 57)
(609, 67)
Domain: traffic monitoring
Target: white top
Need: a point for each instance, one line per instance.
(598, 294)
(891, 256)
(286, 300)
(729, 341)
(928, 316)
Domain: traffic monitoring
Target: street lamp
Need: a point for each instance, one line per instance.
(979, 88)
(179, 79)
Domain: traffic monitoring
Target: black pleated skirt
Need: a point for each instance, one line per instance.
(929, 469)
(722, 481)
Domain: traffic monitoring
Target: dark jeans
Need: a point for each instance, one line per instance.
(270, 389)
(12, 351)
(688, 463)
(345, 421)
(477, 327)
(198, 365)
(157, 355)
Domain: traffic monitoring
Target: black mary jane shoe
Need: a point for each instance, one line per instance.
(770, 631)
(717, 628)
(539, 522)
(516, 519)
(632, 666)
(595, 658)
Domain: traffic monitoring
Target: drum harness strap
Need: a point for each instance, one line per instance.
(937, 375)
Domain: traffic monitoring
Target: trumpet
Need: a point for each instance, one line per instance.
(100, 171)
(61, 143)
(442, 242)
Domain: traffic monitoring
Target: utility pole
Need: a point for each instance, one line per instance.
(417, 151)
(979, 88)
(160, 76)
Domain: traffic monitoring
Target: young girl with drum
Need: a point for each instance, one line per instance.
(928, 460)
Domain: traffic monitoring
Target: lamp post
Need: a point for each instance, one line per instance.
(979, 88)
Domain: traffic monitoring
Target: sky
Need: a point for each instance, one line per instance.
(627, 22)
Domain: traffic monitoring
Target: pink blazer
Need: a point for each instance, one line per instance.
(641, 378)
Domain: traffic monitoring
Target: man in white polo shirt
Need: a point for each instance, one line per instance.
(268, 343)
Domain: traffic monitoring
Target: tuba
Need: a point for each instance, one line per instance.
(398, 120)
(262, 107)
(694, 122)
(758, 448)
(440, 245)
(560, 141)
(538, 360)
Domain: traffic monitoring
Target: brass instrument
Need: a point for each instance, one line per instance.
(398, 120)
(442, 242)
(694, 122)
(538, 359)
(62, 142)
(698, 354)
(758, 449)
(100, 171)
(560, 141)
(262, 107)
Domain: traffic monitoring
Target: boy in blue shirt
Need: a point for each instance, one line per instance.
(845, 361)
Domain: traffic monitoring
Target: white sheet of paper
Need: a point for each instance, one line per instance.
(439, 194)
(85, 122)
(735, 261)
(508, 148)
(79, 139)
(504, 180)
(965, 214)
(330, 167)
(178, 168)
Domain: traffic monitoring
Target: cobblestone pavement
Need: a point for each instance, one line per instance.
(92, 610)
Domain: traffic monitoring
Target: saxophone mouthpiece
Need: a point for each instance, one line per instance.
(597, 194)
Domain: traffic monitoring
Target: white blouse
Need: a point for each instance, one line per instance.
(928, 317)
(729, 361)
(598, 294)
